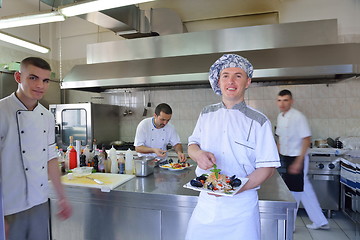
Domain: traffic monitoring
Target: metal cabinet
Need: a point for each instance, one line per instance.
(8, 84)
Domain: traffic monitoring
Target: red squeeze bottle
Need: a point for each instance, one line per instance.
(72, 158)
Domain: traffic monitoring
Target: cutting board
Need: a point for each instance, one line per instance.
(110, 181)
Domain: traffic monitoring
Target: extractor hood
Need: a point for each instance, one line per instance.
(130, 21)
(291, 52)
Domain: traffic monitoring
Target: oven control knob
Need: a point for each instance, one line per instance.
(331, 166)
(321, 166)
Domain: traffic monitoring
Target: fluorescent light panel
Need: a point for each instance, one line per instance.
(33, 19)
(23, 43)
(97, 5)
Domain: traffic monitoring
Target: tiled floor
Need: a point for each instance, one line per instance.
(342, 228)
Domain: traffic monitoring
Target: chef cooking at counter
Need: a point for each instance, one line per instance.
(155, 133)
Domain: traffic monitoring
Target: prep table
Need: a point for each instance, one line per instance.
(158, 207)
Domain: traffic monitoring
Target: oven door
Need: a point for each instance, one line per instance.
(327, 189)
(73, 120)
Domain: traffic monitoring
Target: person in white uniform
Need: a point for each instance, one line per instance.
(27, 155)
(155, 133)
(294, 141)
(239, 140)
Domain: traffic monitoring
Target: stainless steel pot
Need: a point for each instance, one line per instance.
(144, 166)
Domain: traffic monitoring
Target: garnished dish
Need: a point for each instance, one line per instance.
(217, 183)
(176, 166)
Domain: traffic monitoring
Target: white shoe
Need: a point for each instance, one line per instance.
(315, 227)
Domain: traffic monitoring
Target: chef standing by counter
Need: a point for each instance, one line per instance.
(155, 133)
(27, 155)
(239, 140)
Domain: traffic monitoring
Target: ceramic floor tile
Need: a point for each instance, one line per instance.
(352, 235)
(342, 228)
(301, 233)
(306, 220)
(343, 221)
(299, 222)
(332, 234)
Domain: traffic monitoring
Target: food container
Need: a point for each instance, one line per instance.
(144, 166)
(82, 171)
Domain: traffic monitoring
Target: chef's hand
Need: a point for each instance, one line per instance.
(159, 152)
(65, 209)
(181, 156)
(297, 166)
(204, 159)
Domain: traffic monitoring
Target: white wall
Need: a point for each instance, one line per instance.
(333, 110)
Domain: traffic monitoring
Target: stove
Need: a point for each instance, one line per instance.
(324, 161)
(324, 175)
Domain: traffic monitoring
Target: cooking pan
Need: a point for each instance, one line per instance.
(118, 143)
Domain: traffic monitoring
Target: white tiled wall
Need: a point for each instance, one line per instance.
(333, 110)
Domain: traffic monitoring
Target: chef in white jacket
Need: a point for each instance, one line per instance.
(239, 140)
(294, 141)
(27, 155)
(155, 133)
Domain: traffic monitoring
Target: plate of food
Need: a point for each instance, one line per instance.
(176, 166)
(217, 183)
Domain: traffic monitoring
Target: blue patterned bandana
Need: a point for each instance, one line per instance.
(227, 61)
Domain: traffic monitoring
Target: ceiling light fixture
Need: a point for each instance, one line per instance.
(94, 6)
(23, 43)
(31, 19)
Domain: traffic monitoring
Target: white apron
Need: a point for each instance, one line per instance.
(226, 217)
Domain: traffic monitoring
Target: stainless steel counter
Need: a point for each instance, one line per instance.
(158, 207)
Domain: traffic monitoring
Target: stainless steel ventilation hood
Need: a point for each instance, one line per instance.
(291, 52)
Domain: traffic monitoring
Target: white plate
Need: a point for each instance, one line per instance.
(201, 189)
(168, 167)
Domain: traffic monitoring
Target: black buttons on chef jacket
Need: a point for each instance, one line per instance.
(43, 167)
(44, 131)
(42, 114)
(44, 149)
(19, 112)
(23, 151)
(26, 169)
(41, 185)
(22, 132)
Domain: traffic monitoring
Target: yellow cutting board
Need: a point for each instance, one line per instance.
(110, 181)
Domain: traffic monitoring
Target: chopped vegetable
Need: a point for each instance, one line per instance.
(216, 171)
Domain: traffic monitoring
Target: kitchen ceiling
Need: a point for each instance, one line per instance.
(203, 15)
(197, 15)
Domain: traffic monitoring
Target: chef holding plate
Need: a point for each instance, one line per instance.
(239, 140)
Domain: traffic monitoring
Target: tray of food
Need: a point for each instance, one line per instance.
(176, 166)
(217, 183)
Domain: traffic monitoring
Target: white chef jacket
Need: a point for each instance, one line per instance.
(241, 140)
(150, 136)
(292, 128)
(27, 143)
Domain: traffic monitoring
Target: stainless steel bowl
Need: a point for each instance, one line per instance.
(144, 166)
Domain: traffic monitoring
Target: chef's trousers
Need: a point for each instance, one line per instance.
(31, 224)
(309, 199)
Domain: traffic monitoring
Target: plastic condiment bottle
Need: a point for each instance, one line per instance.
(113, 159)
(101, 158)
(129, 162)
(72, 158)
(87, 154)
(121, 161)
(62, 159)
